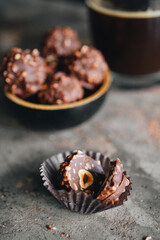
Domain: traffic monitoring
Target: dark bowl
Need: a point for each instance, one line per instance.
(58, 116)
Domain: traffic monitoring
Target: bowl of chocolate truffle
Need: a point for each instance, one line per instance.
(60, 86)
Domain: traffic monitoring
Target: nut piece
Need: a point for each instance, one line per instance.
(86, 178)
(75, 187)
(148, 238)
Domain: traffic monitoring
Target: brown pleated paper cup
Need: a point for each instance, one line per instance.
(77, 201)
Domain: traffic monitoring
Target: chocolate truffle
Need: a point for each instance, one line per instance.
(86, 182)
(60, 41)
(24, 72)
(61, 89)
(81, 173)
(89, 66)
(114, 184)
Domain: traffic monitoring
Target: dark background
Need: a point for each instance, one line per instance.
(23, 22)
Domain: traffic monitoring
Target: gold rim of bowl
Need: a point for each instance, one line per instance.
(104, 87)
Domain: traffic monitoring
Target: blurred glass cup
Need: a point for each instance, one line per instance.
(128, 34)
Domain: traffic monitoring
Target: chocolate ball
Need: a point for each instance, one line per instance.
(89, 66)
(24, 72)
(114, 184)
(60, 41)
(81, 173)
(61, 89)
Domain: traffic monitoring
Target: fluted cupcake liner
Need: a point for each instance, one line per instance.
(77, 201)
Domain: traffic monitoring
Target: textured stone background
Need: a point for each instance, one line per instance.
(127, 126)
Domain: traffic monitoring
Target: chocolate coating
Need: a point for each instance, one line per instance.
(89, 66)
(114, 184)
(114, 197)
(60, 41)
(61, 89)
(81, 173)
(24, 72)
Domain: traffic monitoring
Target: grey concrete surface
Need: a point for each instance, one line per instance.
(127, 126)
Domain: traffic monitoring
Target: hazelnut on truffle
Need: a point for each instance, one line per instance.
(81, 173)
(61, 89)
(89, 66)
(24, 72)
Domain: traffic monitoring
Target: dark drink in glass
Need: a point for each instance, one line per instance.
(128, 34)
